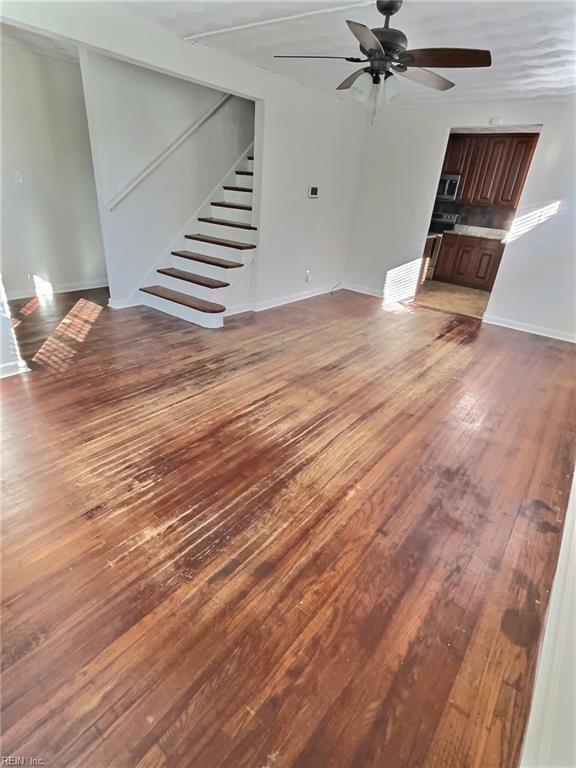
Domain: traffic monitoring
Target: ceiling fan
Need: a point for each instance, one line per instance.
(386, 54)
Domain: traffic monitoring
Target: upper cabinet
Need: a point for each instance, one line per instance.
(455, 153)
(516, 167)
(492, 167)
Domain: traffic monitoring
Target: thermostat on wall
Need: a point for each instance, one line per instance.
(313, 192)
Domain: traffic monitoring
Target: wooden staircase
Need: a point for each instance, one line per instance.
(193, 283)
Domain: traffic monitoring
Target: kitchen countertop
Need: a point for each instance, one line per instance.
(492, 234)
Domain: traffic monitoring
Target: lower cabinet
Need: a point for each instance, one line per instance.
(469, 261)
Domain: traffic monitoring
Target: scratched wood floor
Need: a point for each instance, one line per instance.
(323, 536)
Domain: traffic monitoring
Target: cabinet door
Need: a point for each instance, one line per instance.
(444, 269)
(489, 255)
(468, 261)
(516, 167)
(465, 264)
(455, 153)
(472, 162)
(488, 185)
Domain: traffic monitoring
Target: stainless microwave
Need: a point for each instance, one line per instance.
(448, 186)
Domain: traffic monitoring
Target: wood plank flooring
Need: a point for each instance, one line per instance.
(324, 535)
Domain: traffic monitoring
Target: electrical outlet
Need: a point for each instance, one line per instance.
(18, 177)
(308, 276)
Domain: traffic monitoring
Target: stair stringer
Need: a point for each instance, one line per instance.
(180, 243)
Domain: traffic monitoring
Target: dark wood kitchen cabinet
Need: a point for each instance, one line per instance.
(490, 170)
(515, 169)
(492, 167)
(455, 153)
(468, 261)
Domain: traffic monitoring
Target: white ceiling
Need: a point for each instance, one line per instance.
(533, 44)
(33, 43)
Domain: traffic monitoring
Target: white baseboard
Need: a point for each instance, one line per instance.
(261, 306)
(551, 333)
(289, 298)
(363, 289)
(29, 292)
(13, 368)
(129, 301)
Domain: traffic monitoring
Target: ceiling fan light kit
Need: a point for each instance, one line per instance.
(386, 54)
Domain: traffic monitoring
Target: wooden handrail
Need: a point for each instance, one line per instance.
(137, 180)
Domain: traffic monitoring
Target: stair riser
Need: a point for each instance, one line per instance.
(247, 165)
(191, 289)
(203, 319)
(228, 233)
(206, 269)
(230, 214)
(220, 251)
(238, 197)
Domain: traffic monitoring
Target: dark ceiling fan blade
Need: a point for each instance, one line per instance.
(297, 56)
(425, 77)
(446, 57)
(365, 37)
(351, 79)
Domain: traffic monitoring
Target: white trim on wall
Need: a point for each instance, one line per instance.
(363, 289)
(13, 368)
(29, 292)
(529, 328)
(280, 301)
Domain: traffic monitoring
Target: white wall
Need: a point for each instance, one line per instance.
(10, 360)
(302, 138)
(50, 224)
(134, 114)
(402, 159)
(550, 740)
(137, 114)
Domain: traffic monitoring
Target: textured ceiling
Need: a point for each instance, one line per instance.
(533, 44)
(33, 43)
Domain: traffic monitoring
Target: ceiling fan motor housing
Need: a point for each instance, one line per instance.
(394, 41)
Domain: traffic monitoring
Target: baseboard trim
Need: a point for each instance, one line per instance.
(13, 368)
(28, 293)
(362, 289)
(262, 306)
(129, 301)
(538, 330)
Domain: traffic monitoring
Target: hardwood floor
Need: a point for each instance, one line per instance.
(324, 535)
(457, 299)
(49, 331)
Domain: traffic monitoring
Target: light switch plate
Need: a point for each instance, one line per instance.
(313, 192)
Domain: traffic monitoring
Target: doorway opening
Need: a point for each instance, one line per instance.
(54, 272)
(482, 178)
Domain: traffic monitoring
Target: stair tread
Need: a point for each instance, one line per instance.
(212, 260)
(225, 223)
(220, 241)
(182, 298)
(245, 173)
(190, 277)
(239, 206)
(232, 188)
